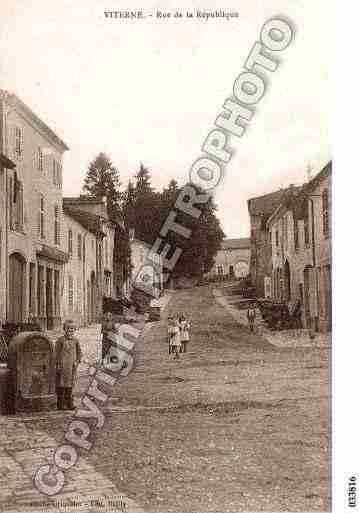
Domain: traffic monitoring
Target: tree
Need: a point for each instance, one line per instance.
(141, 206)
(102, 179)
(200, 249)
(129, 206)
(143, 182)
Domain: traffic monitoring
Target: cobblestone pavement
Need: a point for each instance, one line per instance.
(236, 425)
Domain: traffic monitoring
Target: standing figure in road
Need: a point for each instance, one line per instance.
(170, 333)
(184, 329)
(176, 338)
(106, 328)
(68, 357)
(251, 315)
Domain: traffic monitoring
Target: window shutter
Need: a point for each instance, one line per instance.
(21, 141)
(13, 141)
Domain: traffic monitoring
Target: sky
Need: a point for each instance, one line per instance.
(150, 90)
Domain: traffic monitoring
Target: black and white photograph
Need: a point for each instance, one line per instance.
(166, 222)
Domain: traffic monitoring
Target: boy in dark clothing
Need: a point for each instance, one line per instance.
(68, 357)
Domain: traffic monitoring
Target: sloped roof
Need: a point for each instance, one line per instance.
(90, 222)
(297, 200)
(82, 199)
(15, 100)
(326, 171)
(6, 162)
(142, 242)
(243, 243)
(267, 204)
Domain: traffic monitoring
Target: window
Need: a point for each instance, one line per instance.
(296, 234)
(70, 242)
(79, 296)
(306, 230)
(57, 291)
(107, 283)
(106, 252)
(32, 289)
(79, 246)
(42, 218)
(285, 231)
(57, 225)
(18, 141)
(71, 294)
(40, 159)
(56, 173)
(16, 209)
(325, 213)
(306, 224)
(276, 238)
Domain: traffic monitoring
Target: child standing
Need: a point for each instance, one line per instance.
(184, 328)
(169, 333)
(251, 315)
(68, 357)
(176, 338)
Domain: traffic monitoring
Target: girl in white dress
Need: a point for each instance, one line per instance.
(184, 327)
(176, 338)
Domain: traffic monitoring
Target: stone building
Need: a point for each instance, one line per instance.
(300, 236)
(232, 259)
(319, 194)
(89, 242)
(56, 256)
(141, 269)
(5, 165)
(291, 258)
(34, 260)
(260, 268)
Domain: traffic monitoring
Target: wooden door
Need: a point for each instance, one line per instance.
(16, 288)
(307, 297)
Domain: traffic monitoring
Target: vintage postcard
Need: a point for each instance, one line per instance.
(166, 257)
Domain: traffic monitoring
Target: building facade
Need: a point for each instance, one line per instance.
(233, 259)
(142, 271)
(34, 260)
(89, 242)
(56, 254)
(260, 209)
(300, 234)
(5, 165)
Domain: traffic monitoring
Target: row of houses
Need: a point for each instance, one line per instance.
(56, 253)
(291, 247)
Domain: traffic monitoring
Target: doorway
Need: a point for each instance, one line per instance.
(287, 285)
(16, 288)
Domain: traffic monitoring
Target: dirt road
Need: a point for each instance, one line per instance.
(236, 424)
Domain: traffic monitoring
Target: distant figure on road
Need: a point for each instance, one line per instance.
(174, 336)
(106, 328)
(251, 315)
(184, 329)
(68, 357)
(170, 331)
